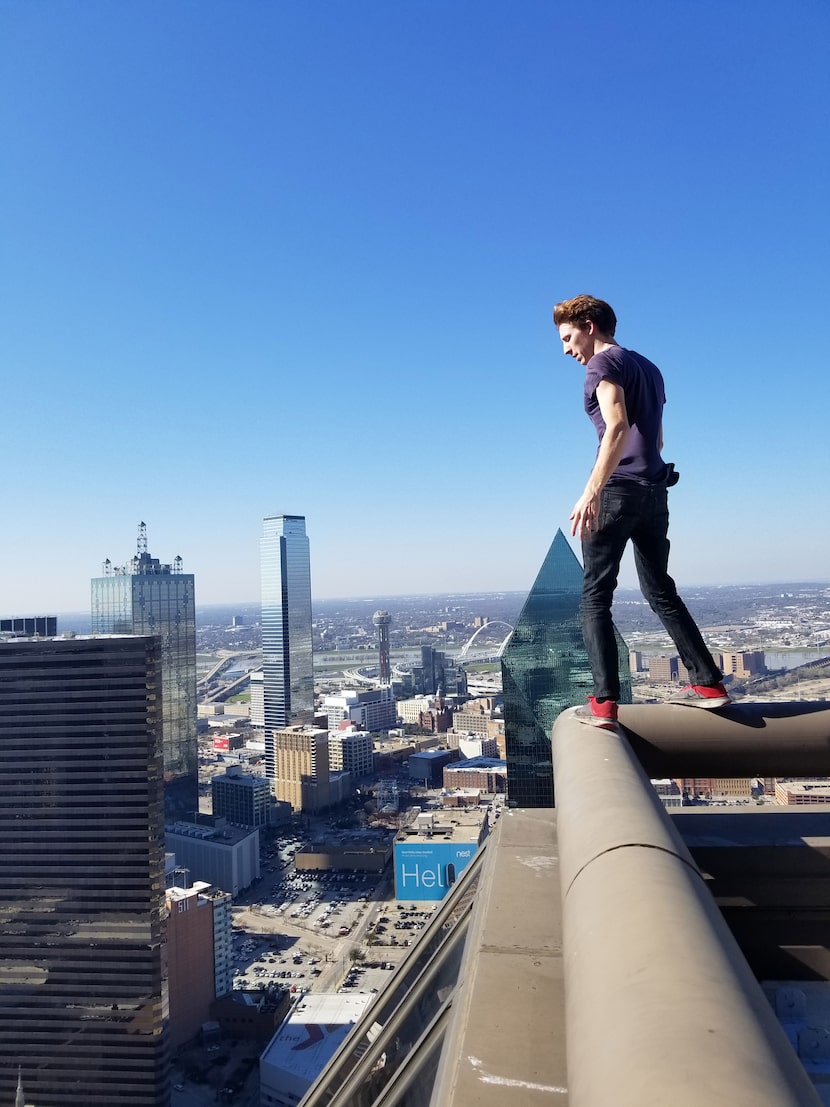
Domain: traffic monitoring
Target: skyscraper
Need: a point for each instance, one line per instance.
(288, 675)
(297, 761)
(544, 670)
(83, 990)
(438, 670)
(382, 619)
(146, 597)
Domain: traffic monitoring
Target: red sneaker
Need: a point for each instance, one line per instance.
(603, 715)
(702, 695)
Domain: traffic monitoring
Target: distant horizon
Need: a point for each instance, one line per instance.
(376, 597)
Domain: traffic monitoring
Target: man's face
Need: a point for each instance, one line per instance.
(578, 341)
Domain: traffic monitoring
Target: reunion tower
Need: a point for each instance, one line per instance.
(382, 619)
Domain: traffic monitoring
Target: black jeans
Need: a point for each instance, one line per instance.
(640, 513)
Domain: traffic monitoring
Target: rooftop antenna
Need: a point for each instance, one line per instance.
(142, 539)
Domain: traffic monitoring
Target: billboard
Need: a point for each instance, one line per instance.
(221, 742)
(427, 870)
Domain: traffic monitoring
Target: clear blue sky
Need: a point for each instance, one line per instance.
(301, 256)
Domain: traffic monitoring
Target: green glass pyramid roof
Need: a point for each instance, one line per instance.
(545, 670)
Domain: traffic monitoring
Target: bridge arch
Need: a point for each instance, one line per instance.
(486, 626)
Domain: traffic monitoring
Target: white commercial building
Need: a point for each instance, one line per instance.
(478, 747)
(305, 1043)
(257, 687)
(351, 751)
(224, 855)
(372, 710)
(338, 708)
(222, 942)
(410, 711)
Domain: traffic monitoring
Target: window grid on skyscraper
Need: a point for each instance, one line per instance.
(147, 597)
(83, 1002)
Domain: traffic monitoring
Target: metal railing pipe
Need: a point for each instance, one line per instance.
(742, 740)
(661, 1006)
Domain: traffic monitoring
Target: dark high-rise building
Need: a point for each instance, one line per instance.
(438, 672)
(287, 664)
(382, 619)
(83, 991)
(146, 597)
(29, 626)
(240, 798)
(544, 670)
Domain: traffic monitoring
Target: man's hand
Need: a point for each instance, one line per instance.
(585, 515)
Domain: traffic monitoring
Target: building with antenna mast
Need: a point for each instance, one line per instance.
(147, 596)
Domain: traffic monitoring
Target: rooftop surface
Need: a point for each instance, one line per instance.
(311, 1033)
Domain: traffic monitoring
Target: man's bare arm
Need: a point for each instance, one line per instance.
(611, 399)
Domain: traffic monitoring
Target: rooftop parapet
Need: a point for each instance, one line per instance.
(658, 993)
(744, 739)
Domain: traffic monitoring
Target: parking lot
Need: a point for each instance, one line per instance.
(310, 930)
(322, 931)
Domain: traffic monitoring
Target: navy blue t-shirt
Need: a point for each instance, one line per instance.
(645, 395)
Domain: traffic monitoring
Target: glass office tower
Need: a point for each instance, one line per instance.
(288, 676)
(146, 597)
(544, 670)
(83, 990)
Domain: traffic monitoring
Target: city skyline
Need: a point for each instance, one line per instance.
(229, 240)
(79, 622)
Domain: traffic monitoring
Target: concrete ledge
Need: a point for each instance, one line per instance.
(661, 1005)
(506, 1043)
(752, 739)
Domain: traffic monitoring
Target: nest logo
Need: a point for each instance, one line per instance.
(427, 870)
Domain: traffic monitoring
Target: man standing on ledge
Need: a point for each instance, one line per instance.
(626, 498)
